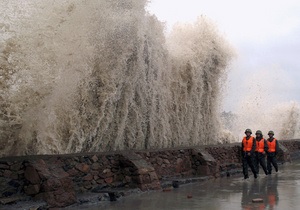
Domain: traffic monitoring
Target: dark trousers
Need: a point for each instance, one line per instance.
(271, 160)
(260, 160)
(248, 160)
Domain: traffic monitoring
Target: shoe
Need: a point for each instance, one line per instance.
(246, 177)
(276, 169)
(269, 172)
(255, 176)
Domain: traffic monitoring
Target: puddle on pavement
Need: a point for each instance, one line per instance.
(278, 191)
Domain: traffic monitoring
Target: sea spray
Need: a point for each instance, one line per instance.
(101, 75)
(199, 60)
(262, 106)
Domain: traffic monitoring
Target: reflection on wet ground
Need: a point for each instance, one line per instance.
(278, 191)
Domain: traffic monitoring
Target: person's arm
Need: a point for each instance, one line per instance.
(242, 149)
(276, 147)
(253, 146)
(266, 146)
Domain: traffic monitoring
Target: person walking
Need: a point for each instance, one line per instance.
(248, 149)
(260, 152)
(272, 152)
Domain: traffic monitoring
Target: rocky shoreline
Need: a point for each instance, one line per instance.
(62, 181)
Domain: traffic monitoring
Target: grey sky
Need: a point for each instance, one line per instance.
(266, 35)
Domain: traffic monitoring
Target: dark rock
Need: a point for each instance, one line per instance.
(179, 165)
(21, 172)
(159, 161)
(44, 173)
(7, 173)
(87, 185)
(14, 175)
(67, 167)
(104, 197)
(88, 177)
(94, 159)
(32, 175)
(4, 166)
(14, 183)
(9, 193)
(95, 166)
(137, 179)
(118, 184)
(62, 200)
(99, 188)
(100, 181)
(166, 161)
(127, 179)
(84, 200)
(10, 163)
(94, 173)
(153, 176)
(51, 184)
(83, 167)
(175, 184)
(32, 189)
(114, 170)
(113, 162)
(73, 172)
(106, 173)
(16, 167)
(8, 187)
(109, 180)
(12, 199)
(112, 196)
(142, 171)
(67, 184)
(59, 173)
(76, 159)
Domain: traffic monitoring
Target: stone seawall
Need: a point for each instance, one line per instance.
(60, 179)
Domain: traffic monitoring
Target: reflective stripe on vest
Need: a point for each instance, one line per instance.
(247, 144)
(272, 145)
(260, 145)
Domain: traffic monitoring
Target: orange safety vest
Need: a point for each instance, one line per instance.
(248, 144)
(260, 145)
(272, 145)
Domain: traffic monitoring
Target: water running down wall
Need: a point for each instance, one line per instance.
(98, 75)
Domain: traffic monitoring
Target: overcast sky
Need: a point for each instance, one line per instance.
(266, 36)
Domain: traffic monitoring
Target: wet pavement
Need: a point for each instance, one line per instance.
(278, 191)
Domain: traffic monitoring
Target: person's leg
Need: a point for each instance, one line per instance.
(245, 167)
(274, 162)
(257, 162)
(262, 161)
(251, 164)
(269, 167)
